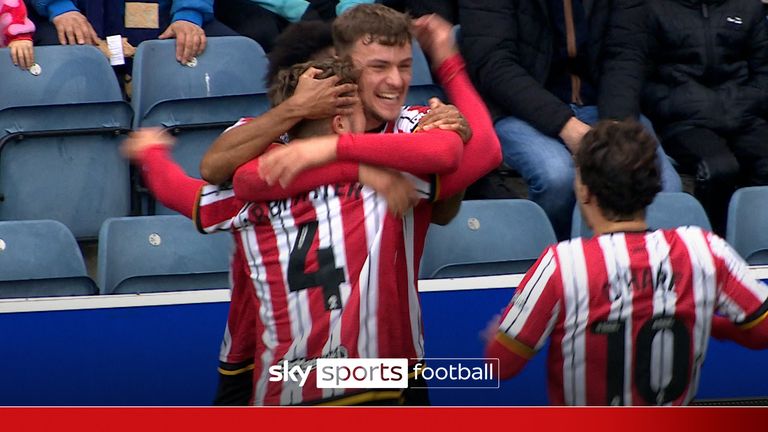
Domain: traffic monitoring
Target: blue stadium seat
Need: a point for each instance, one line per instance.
(747, 229)
(668, 210)
(40, 258)
(160, 253)
(487, 237)
(196, 102)
(59, 137)
(422, 86)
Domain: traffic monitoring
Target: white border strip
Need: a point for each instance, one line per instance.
(113, 301)
(222, 295)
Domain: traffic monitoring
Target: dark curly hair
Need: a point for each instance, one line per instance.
(298, 43)
(617, 161)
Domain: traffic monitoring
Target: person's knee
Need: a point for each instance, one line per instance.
(717, 170)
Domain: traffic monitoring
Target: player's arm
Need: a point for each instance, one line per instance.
(398, 191)
(751, 334)
(313, 98)
(742, 301)
(149, 150)
(524, 325)
(482, 152)
(251, 185)
(434, 151)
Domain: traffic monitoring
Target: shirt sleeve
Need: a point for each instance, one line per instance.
(210, 207)
(528, 320)
(740, 298)
(483, 151)
(19, 27)
(432, 152)
(249, 186)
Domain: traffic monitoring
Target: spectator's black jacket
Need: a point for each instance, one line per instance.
(508, 48)
(704, 62)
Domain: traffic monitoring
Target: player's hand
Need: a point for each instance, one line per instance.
(393, 186)
(322, 98)
(490, 330)
(572, 133)
(190, 39)
(435, 35)
(74, 28)
(140, 140)
(282, 165)
(22, 53)
(445, 117)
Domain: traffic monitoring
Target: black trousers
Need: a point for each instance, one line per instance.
(251, 20)
(720, 163)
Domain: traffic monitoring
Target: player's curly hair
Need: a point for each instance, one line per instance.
(374, 23)
(617, 161)
(285, 82)
(297, 44)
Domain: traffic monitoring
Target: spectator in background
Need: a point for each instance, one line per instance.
(629, 312)
(264, 20)
(703, 80)
(448, 9)
(16, 32)
(538, 69)
(298, 43)
(190, 22)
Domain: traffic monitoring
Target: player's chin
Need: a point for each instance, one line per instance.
(388, 111)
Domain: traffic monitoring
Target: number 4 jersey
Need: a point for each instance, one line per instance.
(629, 314)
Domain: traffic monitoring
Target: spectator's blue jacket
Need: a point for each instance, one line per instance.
(293, 10)
(194, 11)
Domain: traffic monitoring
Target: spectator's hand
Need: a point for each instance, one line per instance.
(393, 186)
(190, 39)
(322, 98)
(140, 140)
(285, 163)
(445, 117)
(74, 28)
(572, 133)
(435, 35)
(22, 53)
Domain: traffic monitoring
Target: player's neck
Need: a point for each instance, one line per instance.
(607, 226)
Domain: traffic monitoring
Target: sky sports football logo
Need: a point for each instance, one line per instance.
(390, 373)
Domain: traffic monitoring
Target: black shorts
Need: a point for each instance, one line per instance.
(235, 384)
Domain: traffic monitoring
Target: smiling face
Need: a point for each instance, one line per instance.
(385, 74)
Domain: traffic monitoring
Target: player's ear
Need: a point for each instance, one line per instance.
(583, 194)
(339, 125)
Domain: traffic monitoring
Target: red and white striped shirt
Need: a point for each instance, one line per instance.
(356, 294)
(323, 291)
(629, 314)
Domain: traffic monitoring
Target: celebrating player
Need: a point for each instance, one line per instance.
(383, 283)
(629, 312)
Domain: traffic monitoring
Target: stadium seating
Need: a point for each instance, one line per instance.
(197, 101)
(747, 229)
(40, 258)
(668, 210)
(160, 253)
(487, 237)
(422, 86)
(59, 137)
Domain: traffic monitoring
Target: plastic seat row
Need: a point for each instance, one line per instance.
(40, 258)
(165, 253)
(495, 237)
